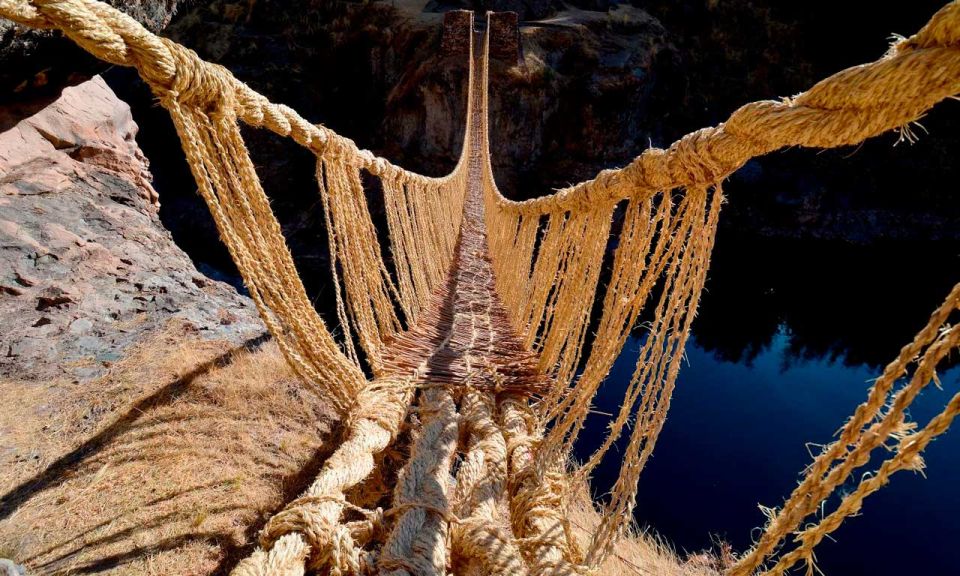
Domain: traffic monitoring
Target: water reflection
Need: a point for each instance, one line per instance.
(854, 304)
(786, 344)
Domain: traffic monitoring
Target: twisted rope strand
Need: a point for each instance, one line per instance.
(504, 290)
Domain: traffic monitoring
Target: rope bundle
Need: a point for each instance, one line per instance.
(477, 326)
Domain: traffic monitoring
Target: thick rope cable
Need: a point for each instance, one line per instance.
(168, 67)
(844, 109)
(310, 526)
(308, 532)
(906, 458)
(536, 494)
(417, 544)
(483, 542)
(191, 89)
(466, 262)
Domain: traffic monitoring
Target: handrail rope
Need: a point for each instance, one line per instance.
(846, 108)
(915, 74)
(843, 109)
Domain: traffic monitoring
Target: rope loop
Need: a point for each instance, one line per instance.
(193, 83)
(331, 544)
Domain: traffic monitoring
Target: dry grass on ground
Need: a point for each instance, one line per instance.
(169, 464)
(641, 553)
(160, 467)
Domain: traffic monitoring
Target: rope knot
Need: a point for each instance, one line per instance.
(304, 516)
(647, 171)
(693, 161)
(344, 556)
(316, 519)
(193, 82)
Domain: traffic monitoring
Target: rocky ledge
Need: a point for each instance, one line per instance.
(86, 268)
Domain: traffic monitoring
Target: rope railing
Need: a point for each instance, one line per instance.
(178, 72)
(476, 329)
(851, 106)
(206, 103)
(547, 254)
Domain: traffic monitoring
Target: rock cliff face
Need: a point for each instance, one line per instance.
(586, 95)
(86, 269)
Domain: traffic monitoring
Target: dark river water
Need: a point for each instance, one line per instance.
(789, 336)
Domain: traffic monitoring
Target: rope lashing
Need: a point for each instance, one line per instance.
(476, 318)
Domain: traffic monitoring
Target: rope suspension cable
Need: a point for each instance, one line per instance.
(476, 328)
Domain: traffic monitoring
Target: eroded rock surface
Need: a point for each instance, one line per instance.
(86, 269)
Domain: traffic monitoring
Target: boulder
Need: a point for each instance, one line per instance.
(86, 267)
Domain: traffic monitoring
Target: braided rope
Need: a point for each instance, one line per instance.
(868, 429)
(846, 108)
(544, 257)
(172, 69)
(481, 540)
(544, 251)
(308, 531)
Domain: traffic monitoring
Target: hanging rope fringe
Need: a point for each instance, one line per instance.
(476, 318)
(879, 419)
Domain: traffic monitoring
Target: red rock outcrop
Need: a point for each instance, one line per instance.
(88, 126)
(86, 268)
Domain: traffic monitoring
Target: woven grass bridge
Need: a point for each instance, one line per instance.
(477, 328)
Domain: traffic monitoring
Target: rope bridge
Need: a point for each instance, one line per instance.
(479, 329)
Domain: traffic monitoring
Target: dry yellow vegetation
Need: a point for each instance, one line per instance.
(165, 465)
(171, 462)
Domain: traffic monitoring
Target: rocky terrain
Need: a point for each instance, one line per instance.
(86, 269)
(139, 430)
